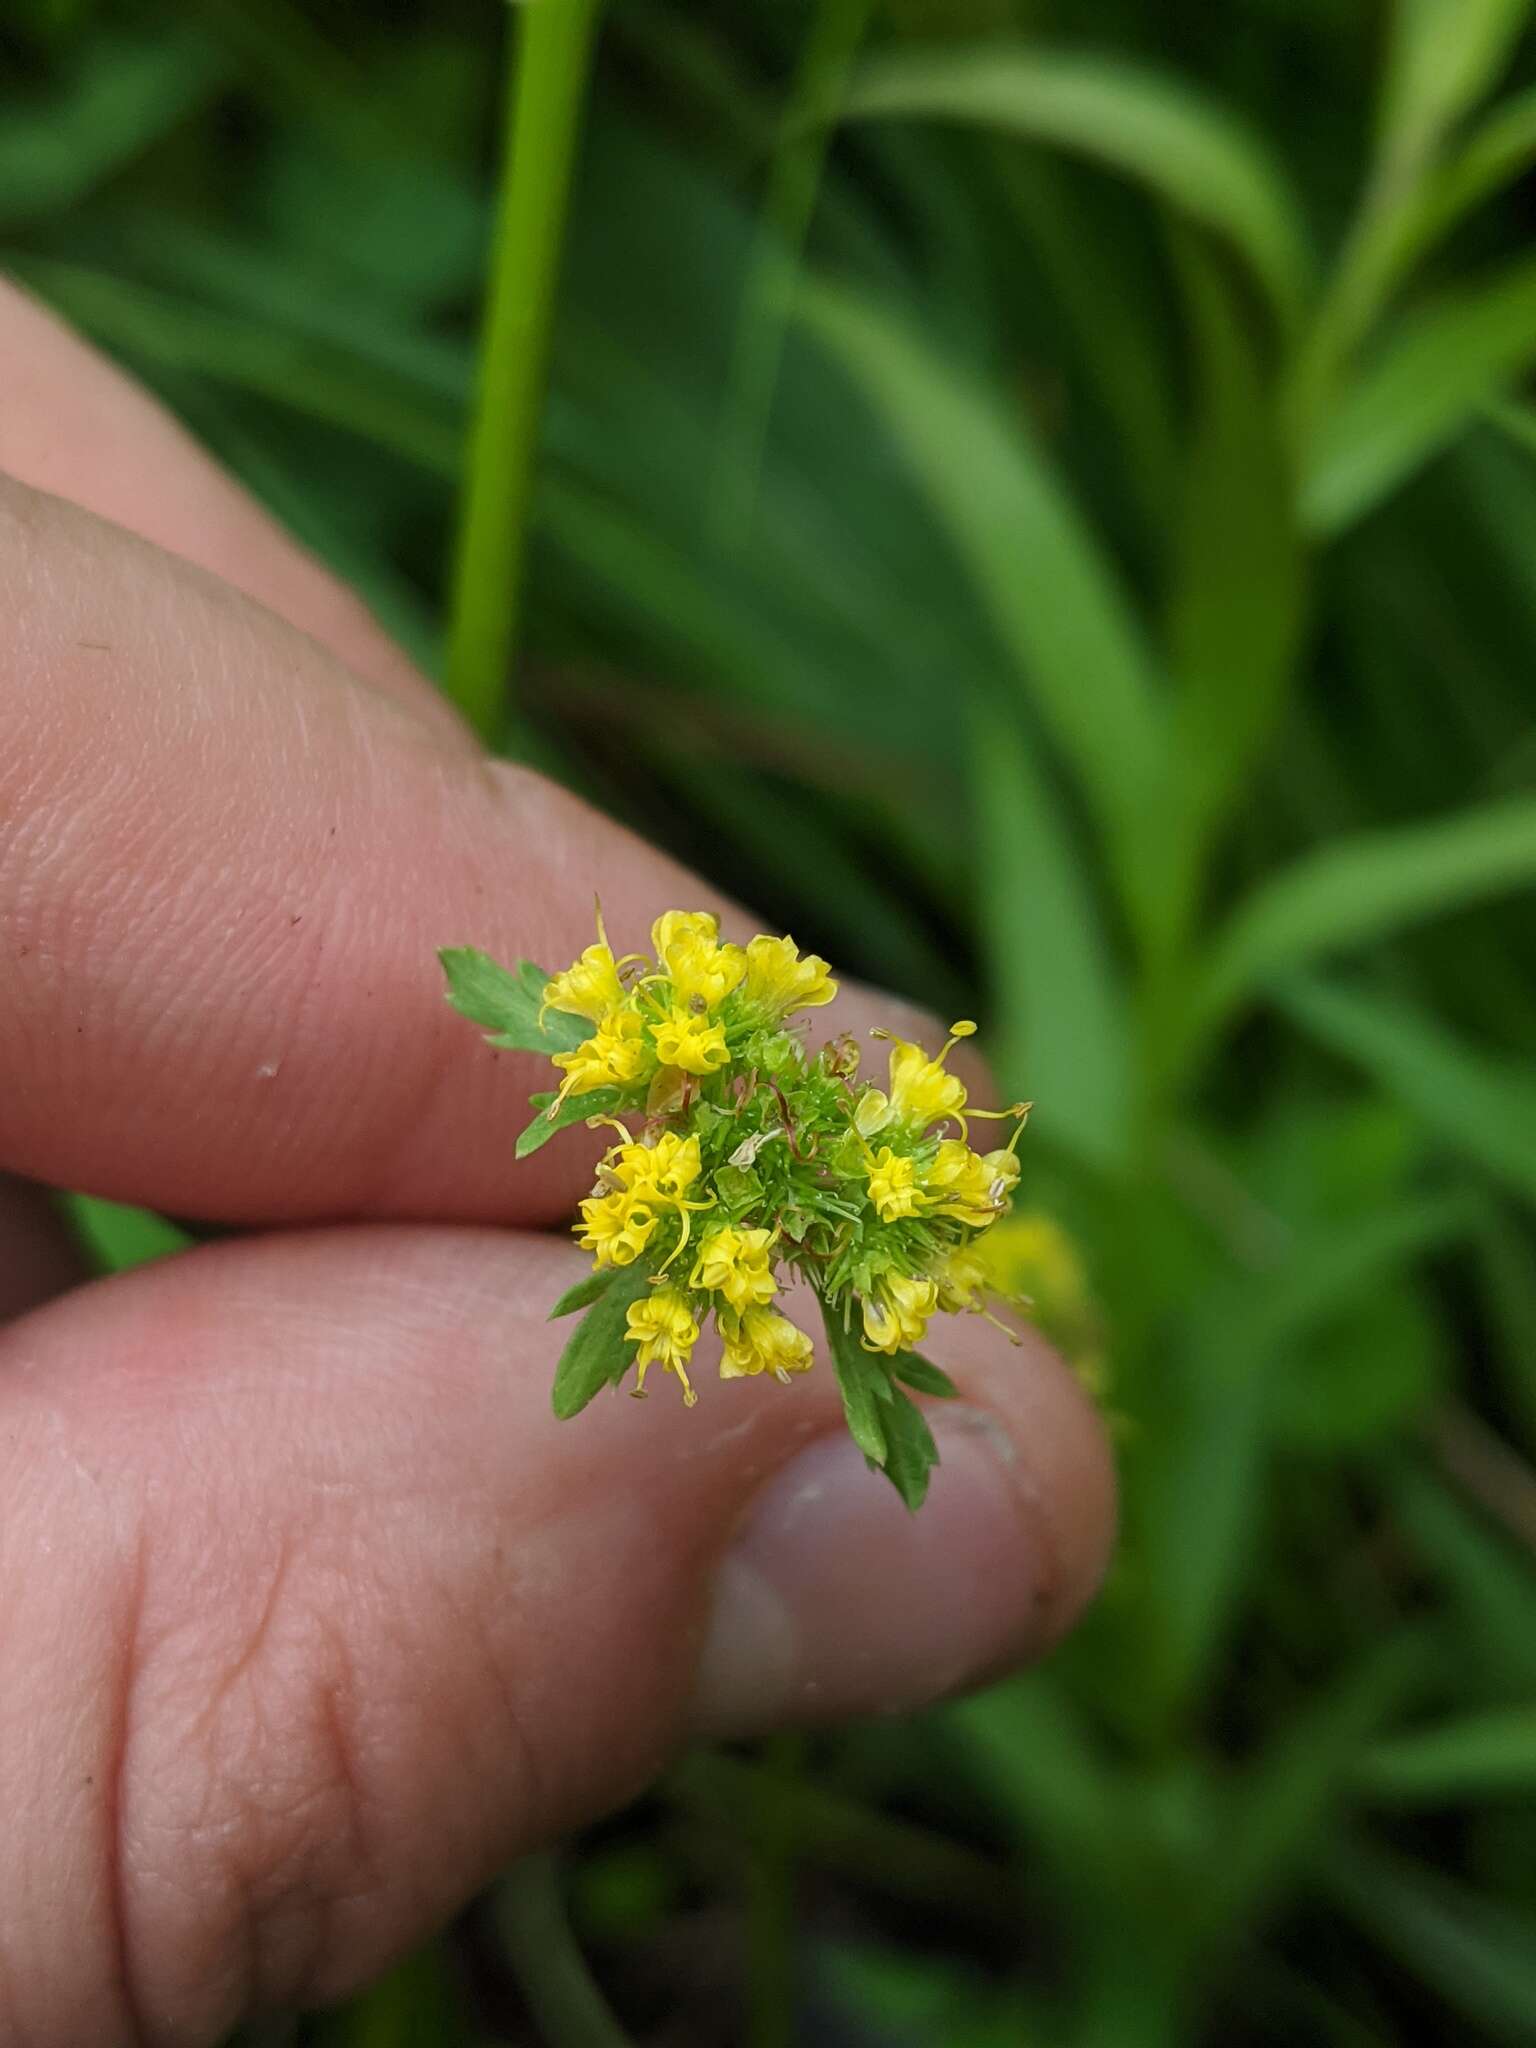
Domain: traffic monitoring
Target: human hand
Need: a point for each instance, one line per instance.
(311, 1615)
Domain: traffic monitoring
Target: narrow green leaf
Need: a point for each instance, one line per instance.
(1236, 601)
(857, 1376)
(123, 94)
(1443, 56)
(1494, 154)
(1059, 1029)
(1476, 1952)
(391, 408)
(1481, 1756)
(1287, 1795)
(911, 1452)
(1482, 1108)
(596, 1355)
(506, 1005)
(1418, 394)
(1191, 153)
(922, 1376)
(1357, 891)
(574, 1110)
(1055, 603)
(585, 1292)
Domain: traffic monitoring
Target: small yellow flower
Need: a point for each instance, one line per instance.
(922, 1092)
(616, 1228)
(615, 1056)
(896, 1312)
(961, 1280)
(761, 1340)
(893, 1186)
(690, 955)
(734, 1263)
(662, 1325)
(778, 980)
(665, 1170)
(589, 988)
(973, 1187)
(691, 1042)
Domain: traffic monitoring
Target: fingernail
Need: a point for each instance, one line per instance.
(835, 1600)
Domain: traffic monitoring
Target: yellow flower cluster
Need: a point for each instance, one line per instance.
(744, 1140)
(657, 1021)
(745, 1158)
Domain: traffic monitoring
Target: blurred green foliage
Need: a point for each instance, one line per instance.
(1041, 500)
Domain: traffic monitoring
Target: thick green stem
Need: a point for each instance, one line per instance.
(547, 85)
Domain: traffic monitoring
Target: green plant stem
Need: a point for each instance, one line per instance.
(567, 2006)
(547, 86)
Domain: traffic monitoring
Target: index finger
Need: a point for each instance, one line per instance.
(225, 868)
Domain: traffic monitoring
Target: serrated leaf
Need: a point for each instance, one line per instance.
(574, 1110)
(923, 1376)
(596, 1356)
(911, 1452)
(858, 1380)
(585, 1292)
(506, 1005)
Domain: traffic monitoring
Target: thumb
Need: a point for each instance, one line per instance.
(313, 1616)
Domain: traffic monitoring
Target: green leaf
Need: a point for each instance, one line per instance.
(1476, 1952)
(505, 1005)
(574, 1110)
(858, 1377)
(1494, 154)
(1286, 1796)
(1364, 889)
(1059, 1020)
(923, 1377)
(1443, 56)
(1192, 154)
(911, 1452)
(1483, 1108)
(1236, 600)
(1418, 394)
(1056, 604)
(123, 96)
(165, 333)
(1481, 1756)
(596, 1355)
(585, 1292)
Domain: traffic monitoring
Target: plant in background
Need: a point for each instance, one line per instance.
(747, 1160)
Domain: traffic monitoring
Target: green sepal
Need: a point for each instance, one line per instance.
(922, 1376)
(596, 1356)
(585, 1292)
(506, 1005)
(859, 1381)
(911, 1452)
(574, 1110)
